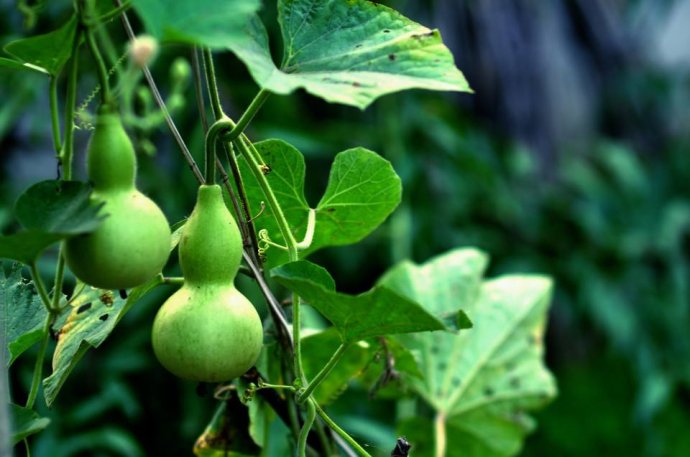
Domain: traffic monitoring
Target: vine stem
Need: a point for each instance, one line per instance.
(248, 115)
(55, 115)
(440, 435)
(100, 63)
(342, 433)
(38, 367)
(210, 148)
(291, 244)
(66, 150)
(306, 427)
(161, 104)
(325, 371)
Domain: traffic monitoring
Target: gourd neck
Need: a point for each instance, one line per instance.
(111, 161)
(211, 244)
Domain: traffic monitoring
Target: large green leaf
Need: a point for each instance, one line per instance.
(200, 22)
(25, 422)
(45, 53)
(480, 382)
(93, 316)
(51, 211)
(22, 315)
(380, 311)
(363, 189)
(349, 52)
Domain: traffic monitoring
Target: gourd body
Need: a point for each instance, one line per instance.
(208, 331)
(132, 243)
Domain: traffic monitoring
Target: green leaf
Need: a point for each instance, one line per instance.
(48, 52)
(349, 52)
(51, 211)
(93, 316)
(199, 22)
(22, 315)
(318, 348)
(25, 247)
(62, 207)
(228, 432)
(25, 422)
(380, 311)
(480, 382)
(363, 189)
(16, 65)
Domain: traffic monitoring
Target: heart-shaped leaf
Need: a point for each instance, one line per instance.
(45, 53)
(363, 189)
(349, 52)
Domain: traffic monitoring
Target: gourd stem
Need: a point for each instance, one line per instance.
(248, 115)
(114, 12)
(210, 146)
(211, 85)
(70, 103)
(343, 434)
(290, 243)
(54, 115)
(38, 368)
(306, 427)
(325, 371)
(100, 66)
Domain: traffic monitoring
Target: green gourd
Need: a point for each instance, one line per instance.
(132, 244)
(208, 331)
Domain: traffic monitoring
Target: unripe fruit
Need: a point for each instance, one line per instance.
(132, 243)
(208, 331)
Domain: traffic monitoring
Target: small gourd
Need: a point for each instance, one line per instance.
(132, 244)
(208, 331)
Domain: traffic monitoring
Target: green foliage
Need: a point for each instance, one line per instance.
(51, 211)
(349, 52)
(480, 382)
(25, 423)
(379, 311)
(22, 314)
(205, 22)
(46, 53)
(91, 317)
(363, 189)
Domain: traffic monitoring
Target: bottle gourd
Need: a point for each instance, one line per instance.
(132, 243)
(208, 331)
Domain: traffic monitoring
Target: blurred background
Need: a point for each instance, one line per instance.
(571, 159)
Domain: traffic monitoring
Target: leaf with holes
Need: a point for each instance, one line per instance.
(349, 52)
(481, 382)
(380, 311)
(198, 22)
(363, 189)
(22, 315)
(92, 317)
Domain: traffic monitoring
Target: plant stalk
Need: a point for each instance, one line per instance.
(325, 371)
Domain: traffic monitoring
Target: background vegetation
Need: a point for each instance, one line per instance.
(570, 159)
